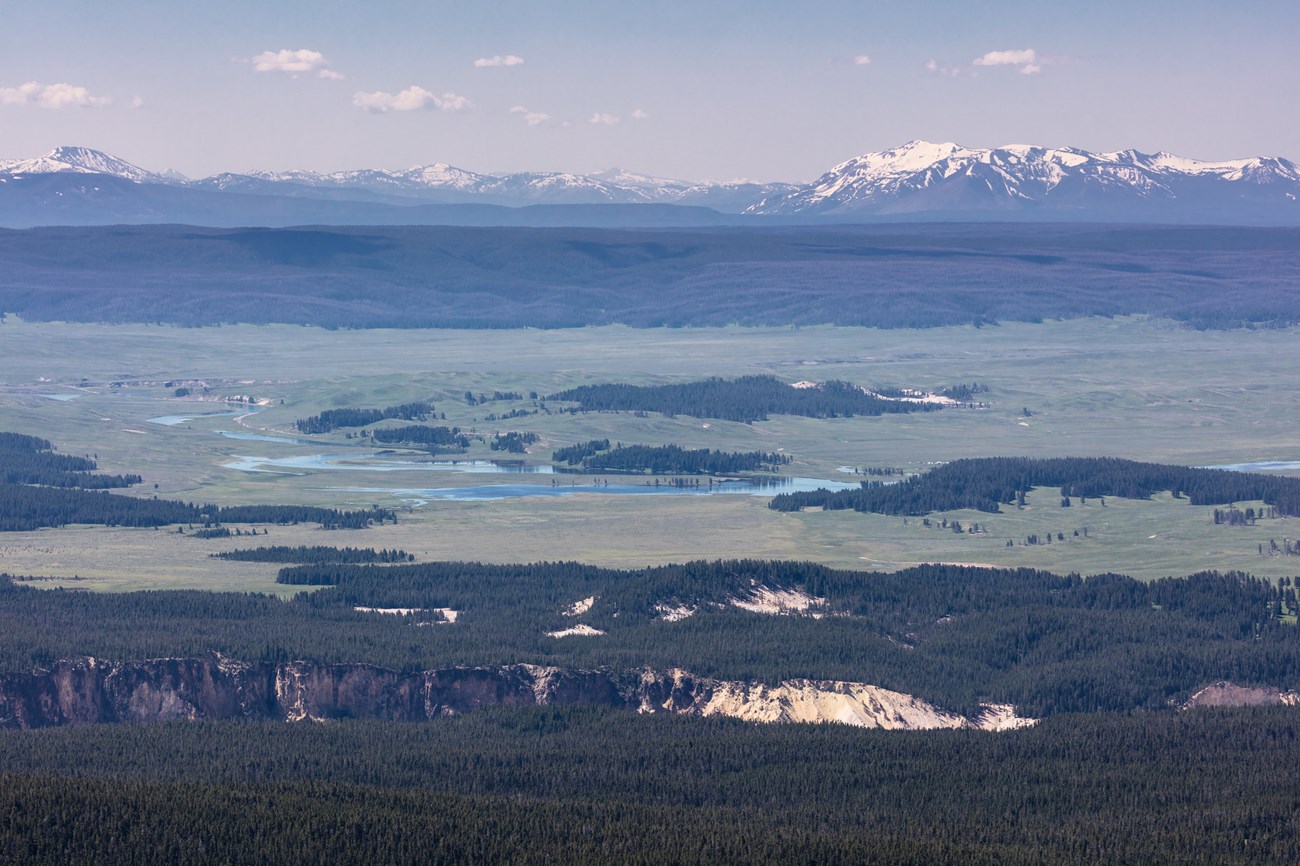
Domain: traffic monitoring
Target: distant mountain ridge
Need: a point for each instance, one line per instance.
(923, 177)
(916, 181)
(432, 183)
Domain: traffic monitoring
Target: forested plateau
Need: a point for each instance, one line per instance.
(426, 276)
(959, 638)
(593, 786)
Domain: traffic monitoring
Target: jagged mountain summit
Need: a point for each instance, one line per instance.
(1017, 181)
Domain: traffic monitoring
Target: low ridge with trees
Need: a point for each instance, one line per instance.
(987, 483)
(334, 419)
(747, 399)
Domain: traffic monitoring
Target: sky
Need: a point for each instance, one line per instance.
(697, 90)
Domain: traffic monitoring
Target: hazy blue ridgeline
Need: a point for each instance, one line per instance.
(420, 276)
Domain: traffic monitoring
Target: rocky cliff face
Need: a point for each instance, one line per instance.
(857, 704)
(1226, 694)
(88, 690)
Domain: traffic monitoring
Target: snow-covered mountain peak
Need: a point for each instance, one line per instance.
(911, 157)
(440, 174)
(621, 177)
(79, 160)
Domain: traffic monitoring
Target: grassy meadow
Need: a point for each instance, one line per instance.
(1135, 388)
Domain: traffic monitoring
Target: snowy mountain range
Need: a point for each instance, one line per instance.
(435, 182)
(919, 180)
(922, 177)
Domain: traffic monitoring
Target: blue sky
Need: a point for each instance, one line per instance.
(700, 90)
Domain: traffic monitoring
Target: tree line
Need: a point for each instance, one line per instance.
(434, 439)
(747, 399)
(574, 454)
(59, 490)
(24, 507)
(32, 460)
(676, 460)
(964, 393)
(315, 554)
(513, 442)
(333, 419)
(987, 483)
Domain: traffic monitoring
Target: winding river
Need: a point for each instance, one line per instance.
(560, 484)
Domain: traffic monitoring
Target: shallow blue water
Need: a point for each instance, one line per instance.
(489, 492)
(1262, 466)
(262, 437)
(373, 461)
(174, 420)
(561, 484)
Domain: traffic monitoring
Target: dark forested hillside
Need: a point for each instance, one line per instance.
(31, 460)
(957, 637)
(748, 398)
(883, 276)
(986, 483)
(586, 786)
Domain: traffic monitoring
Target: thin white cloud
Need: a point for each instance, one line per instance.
(137, 102)
(1026, 58)
(413, 98)
(499, 60)
(532, 118)
(638, 114)
(933, 67)
(601, 118)
(862, 60)
(295, 62)
(51, 96)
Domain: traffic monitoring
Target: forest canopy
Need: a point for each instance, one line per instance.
(987, 483)
(748, 398)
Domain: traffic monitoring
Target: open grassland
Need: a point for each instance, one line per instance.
(1145, 539)
(1147, 390)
